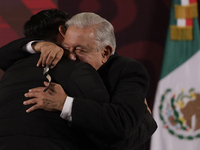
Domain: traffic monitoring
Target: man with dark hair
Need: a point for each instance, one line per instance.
(43, 130)
(45, 24)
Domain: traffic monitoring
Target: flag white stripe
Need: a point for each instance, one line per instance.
(185, 2)
(181, 22)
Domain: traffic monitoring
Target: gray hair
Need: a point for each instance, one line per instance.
(103, 30)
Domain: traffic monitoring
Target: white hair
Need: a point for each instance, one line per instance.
(103, 30)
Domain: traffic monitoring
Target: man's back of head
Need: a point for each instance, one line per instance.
(45, 24)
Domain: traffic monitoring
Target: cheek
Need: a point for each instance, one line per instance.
(81, 58)
(86, 59)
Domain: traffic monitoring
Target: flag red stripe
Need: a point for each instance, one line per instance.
(193, 1)
(189, 22)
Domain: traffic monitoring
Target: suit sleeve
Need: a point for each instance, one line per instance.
(87, 84)
(12, 52)
(144, 132)
(122, 117)
(124, 121)
(80, 79)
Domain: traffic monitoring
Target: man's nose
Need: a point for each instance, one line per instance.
(72, 56)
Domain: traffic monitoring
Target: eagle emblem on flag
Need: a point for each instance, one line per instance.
(180, 113)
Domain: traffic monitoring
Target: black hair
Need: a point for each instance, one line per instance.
(45, 24)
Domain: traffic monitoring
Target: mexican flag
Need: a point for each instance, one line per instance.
(177, 102)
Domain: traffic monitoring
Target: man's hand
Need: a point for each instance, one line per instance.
(50, 53)
(145, 101)
(51, 100)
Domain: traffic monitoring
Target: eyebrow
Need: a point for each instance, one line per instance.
(66, 44)
(81, 46)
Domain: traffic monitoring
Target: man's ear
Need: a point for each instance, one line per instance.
(106, 52)
(62, 30)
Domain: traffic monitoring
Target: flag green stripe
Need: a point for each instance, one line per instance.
(177, 52)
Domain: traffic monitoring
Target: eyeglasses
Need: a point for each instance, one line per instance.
(46, 73)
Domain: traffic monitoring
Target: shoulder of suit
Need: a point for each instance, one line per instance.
(127, 64)
(122, 60)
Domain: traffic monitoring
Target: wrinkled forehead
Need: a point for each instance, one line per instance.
(76, 36)
(79, 32)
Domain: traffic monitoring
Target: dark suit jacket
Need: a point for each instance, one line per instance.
(43, 130)
(124, 123)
